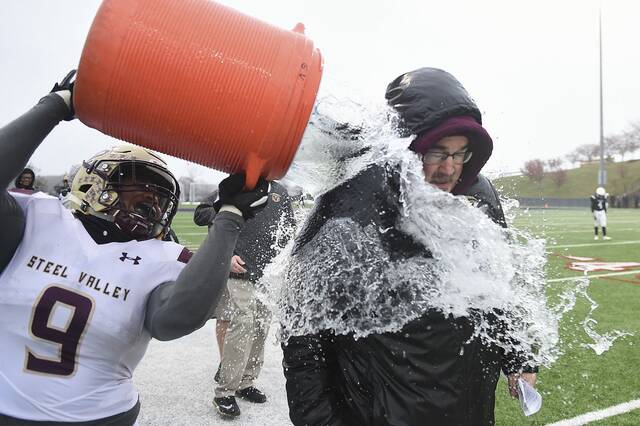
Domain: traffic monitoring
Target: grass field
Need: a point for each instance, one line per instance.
(580, 381)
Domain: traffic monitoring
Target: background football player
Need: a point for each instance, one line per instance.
(599, 204)
(83, 291)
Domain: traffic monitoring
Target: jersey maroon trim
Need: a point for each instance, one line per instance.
(185, 255)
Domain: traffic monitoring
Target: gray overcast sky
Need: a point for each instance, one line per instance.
(531, 66)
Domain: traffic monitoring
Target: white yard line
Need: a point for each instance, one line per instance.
(616, 243)
(583, 419)
(588, 231)
(612, 274)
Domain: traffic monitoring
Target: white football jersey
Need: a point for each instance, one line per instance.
(72, 316)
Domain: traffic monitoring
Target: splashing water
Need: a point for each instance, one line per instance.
(346, 279)
(601, 342)
(567, 297)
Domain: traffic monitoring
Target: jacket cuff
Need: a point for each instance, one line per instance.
(231, 209)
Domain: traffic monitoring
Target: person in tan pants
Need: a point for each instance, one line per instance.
(242, 320)
(242, 349)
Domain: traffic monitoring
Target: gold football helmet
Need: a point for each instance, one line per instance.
(130, 186)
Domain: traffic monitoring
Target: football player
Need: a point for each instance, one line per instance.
(82, 291)
(599, 204)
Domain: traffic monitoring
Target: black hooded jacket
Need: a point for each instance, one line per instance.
(433, 371)
(427, 373)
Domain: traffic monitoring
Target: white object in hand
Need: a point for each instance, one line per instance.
(530, 399)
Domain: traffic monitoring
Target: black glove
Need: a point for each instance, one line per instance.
(231, 191)
(67, 83)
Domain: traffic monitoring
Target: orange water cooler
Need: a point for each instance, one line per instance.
(199, 81)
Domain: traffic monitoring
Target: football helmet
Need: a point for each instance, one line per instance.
(130, 186)
(601, 191)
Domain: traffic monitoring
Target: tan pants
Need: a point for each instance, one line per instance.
(243, 349)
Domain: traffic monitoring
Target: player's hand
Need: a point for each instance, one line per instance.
(236, 265)
(512, 382)
(64, 89)
(231, 192)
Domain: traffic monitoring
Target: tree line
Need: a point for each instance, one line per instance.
(615, 146)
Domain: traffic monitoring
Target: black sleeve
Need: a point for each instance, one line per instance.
(180, 307)
(515, 359)
(517, 362)
(205, 213)
(18, 141)
(309, 366)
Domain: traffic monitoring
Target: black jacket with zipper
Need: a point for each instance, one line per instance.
(431, 372)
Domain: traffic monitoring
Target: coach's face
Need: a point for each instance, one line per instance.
(442, 164)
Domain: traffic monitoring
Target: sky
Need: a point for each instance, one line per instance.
(532, 67)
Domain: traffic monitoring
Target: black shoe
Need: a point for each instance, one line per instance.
(216, 378)
(227, 406)
(252, 394)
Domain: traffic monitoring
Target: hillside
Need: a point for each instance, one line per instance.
(622, 177)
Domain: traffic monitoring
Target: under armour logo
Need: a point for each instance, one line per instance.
(136, 260)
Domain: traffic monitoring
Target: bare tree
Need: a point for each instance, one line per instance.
(559, 177)
(612, 144)
(629, 142)
(586, 152)
(554, 163)
(620, 145)
(573, 157)
(534, 170)
(634, 132)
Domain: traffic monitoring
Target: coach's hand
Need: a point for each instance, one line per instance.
(237, 265)
(512, 382)
(64, 89)
(231, 193)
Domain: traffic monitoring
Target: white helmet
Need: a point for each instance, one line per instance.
(99, 185)
(600, 191)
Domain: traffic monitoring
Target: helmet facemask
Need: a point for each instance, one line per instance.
(146, 199)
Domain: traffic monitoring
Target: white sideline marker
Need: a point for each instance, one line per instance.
(579, 277)
(615, 410)
(615, 243)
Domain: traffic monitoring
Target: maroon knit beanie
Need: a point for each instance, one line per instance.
(480, 144)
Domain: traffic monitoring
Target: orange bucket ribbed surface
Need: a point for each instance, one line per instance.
(199, 81)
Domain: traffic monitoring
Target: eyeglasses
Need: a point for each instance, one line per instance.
(437, 157)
